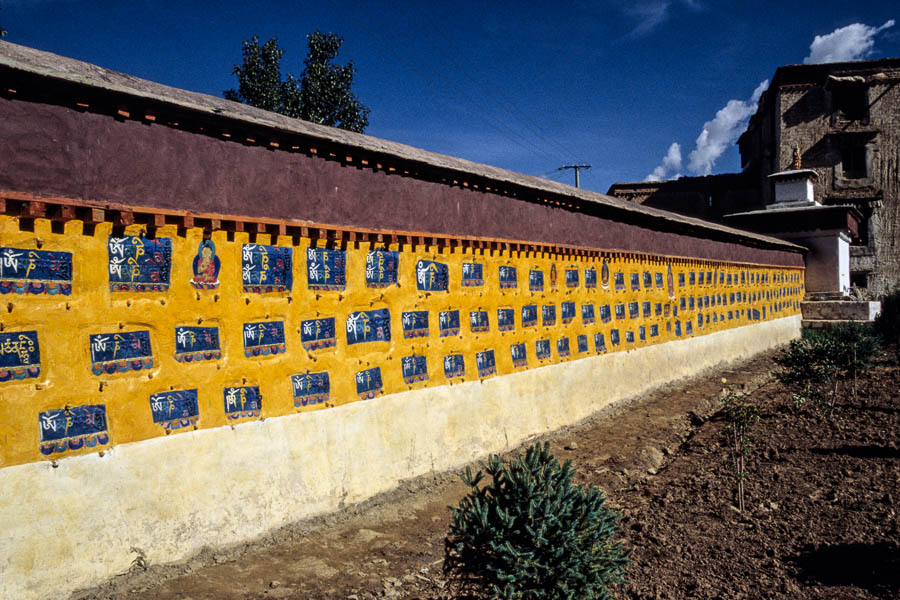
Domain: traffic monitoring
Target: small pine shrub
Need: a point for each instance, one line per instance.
(531, 534)
(740, 415)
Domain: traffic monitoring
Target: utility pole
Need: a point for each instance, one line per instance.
(576, 167)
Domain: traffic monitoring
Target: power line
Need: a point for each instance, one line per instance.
(576, 168)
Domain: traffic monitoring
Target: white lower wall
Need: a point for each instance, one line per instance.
(73, 526)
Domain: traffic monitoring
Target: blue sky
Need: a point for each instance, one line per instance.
(527, 86)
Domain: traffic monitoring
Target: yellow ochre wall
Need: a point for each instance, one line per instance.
(63, 324)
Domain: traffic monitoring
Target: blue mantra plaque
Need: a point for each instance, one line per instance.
(415, 368)
(629, 337)
(519, 355)
(658, 309)
(112, 352)
(642, 333)
(432, 276)
(590, 278)
(600, 343)
(448, 323)
(678, 328)
(316, 334)
(654, 330)
(529, 315)
(368, 383)
(571, 278)
(478, 321)
(508, 277)
(635, 282)
(174, 410)
(587, 314)
(582, 341)
(562, 347)
(242, 402)
(485, 363)
(73, 428)
(620, 311)
(646, 309)
(681, 280)
(506, 319)
(619, 279)
(266, 268)
(326, 269)
(548, 314)
(568, 312)
(542, 349)
(311, 388)
(614, 337)
(382, 267)
(414, 323)
(688, 327)
(605, 314)
(369, 326)
(536, 280)
(20, 355)
(648, 280)
(262, 339)
(35, 272)
(197, 343)
(632, 310)
(692, 278)
(454, 366)
(139, 264)
(659, 281)
(472, 274)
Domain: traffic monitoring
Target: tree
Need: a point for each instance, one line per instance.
(322, 94)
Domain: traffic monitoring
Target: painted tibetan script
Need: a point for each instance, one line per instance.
(35, 272)
(263, 338)
(519, 355)
(508, 277)
(472, 274)
(590, 278)
(73, 428)
(529, 315)
(369, 384)
(414, 323)
(536, 280)
(197, 343)
(369, 326)
(571, 278)
(381, 268)
(567, 310)
(448, 323)
(485, 363)
(242, 402)
(120, 352)
(139, 264)
(20, 356)
(506, 319)
(562, 347)
(542, 349)
(454, 366)
(478, 321)
(176, 409)
(311, 388)
(316, 334)
(415, 368)
(432, 276)
(326, 269)
(266, 268)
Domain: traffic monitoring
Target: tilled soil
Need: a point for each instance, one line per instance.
(820, 521)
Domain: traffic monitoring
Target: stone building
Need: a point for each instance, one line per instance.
(845, 119)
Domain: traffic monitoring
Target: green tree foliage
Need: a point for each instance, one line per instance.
(531, 534)
(322, 94)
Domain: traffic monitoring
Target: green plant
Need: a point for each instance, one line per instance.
(530, 533)
(740, 416)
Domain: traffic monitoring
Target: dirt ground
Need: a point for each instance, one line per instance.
(821, 518)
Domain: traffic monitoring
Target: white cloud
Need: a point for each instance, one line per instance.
(853, 42)
(652, 13)
(670, 162)
(720, 133)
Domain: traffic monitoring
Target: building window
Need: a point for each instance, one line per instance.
(849, 102)
(859, 279)
(853, 162)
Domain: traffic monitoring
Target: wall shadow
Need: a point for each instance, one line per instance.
(872, 567)
(860, 451)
